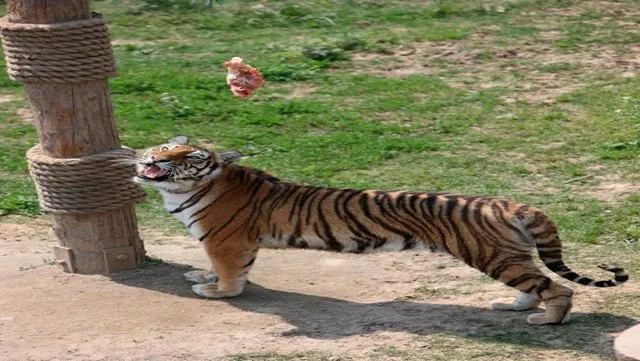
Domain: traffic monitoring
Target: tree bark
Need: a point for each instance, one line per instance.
(75, 120)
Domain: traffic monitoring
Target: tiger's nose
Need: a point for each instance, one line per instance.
(147, 161)
(161, 159)
(156, 159)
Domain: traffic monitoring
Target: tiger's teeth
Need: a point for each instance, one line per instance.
(153, 171)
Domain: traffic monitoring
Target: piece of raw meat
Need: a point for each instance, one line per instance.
(243, 79)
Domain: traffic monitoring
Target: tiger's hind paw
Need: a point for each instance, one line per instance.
(558, 312)
(543, 319)
(200, 276)
(211, 290)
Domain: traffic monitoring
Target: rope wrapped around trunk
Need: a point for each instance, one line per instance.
(69, 52)
(90, 184)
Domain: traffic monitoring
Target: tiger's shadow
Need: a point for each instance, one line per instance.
(330, 318)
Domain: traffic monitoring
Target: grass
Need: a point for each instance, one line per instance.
(272, 356)
(528, 100)
(441, 348)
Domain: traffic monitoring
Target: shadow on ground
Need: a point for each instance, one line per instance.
(330, 318)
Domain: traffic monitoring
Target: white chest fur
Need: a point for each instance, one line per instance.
(175, 201)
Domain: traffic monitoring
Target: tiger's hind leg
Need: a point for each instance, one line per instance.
(558, 300)
(527, 278)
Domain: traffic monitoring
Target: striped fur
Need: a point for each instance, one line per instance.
(236, 210)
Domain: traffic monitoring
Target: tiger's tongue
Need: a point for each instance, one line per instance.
(153, 171)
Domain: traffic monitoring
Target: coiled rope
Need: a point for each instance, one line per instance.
(69, 52)
(90, 184)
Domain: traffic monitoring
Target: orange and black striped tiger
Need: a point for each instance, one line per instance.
(236, 210)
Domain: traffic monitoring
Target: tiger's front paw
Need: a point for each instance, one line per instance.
(524, 302)
(200, 276)
(212, 290)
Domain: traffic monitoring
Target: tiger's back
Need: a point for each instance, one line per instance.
(239, 210)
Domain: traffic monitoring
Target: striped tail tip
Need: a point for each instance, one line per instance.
(621, 276)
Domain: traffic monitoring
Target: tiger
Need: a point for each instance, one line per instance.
(236, 210)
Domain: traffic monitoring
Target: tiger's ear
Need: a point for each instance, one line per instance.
(230, 156)
(179, 139)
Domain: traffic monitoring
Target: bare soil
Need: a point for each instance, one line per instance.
(348, 306)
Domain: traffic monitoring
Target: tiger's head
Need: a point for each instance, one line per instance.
(177, 165)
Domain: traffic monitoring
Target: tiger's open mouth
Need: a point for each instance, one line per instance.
(153, 172)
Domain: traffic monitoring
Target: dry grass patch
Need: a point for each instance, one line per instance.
(534, 68)
(301, 92)
(613, 192)
(535, 73)
(7, 98)
(28, 115)
(135, 42)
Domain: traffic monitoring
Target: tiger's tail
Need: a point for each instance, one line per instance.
(551, 255)
(549, 247)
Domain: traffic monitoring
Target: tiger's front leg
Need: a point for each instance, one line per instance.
(231, 264)
(201, 276)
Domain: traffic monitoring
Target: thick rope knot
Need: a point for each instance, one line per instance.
(70, 52)
(91, 184)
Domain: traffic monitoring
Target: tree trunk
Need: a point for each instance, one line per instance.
(75, 120)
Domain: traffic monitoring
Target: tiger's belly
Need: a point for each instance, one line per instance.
(344, 244)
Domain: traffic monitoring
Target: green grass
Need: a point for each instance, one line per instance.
(555, 67)
(442, 348)
(361, 129)
(272, 356)
(16, 197)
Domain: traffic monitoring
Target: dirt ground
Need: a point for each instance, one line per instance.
(298, 301)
